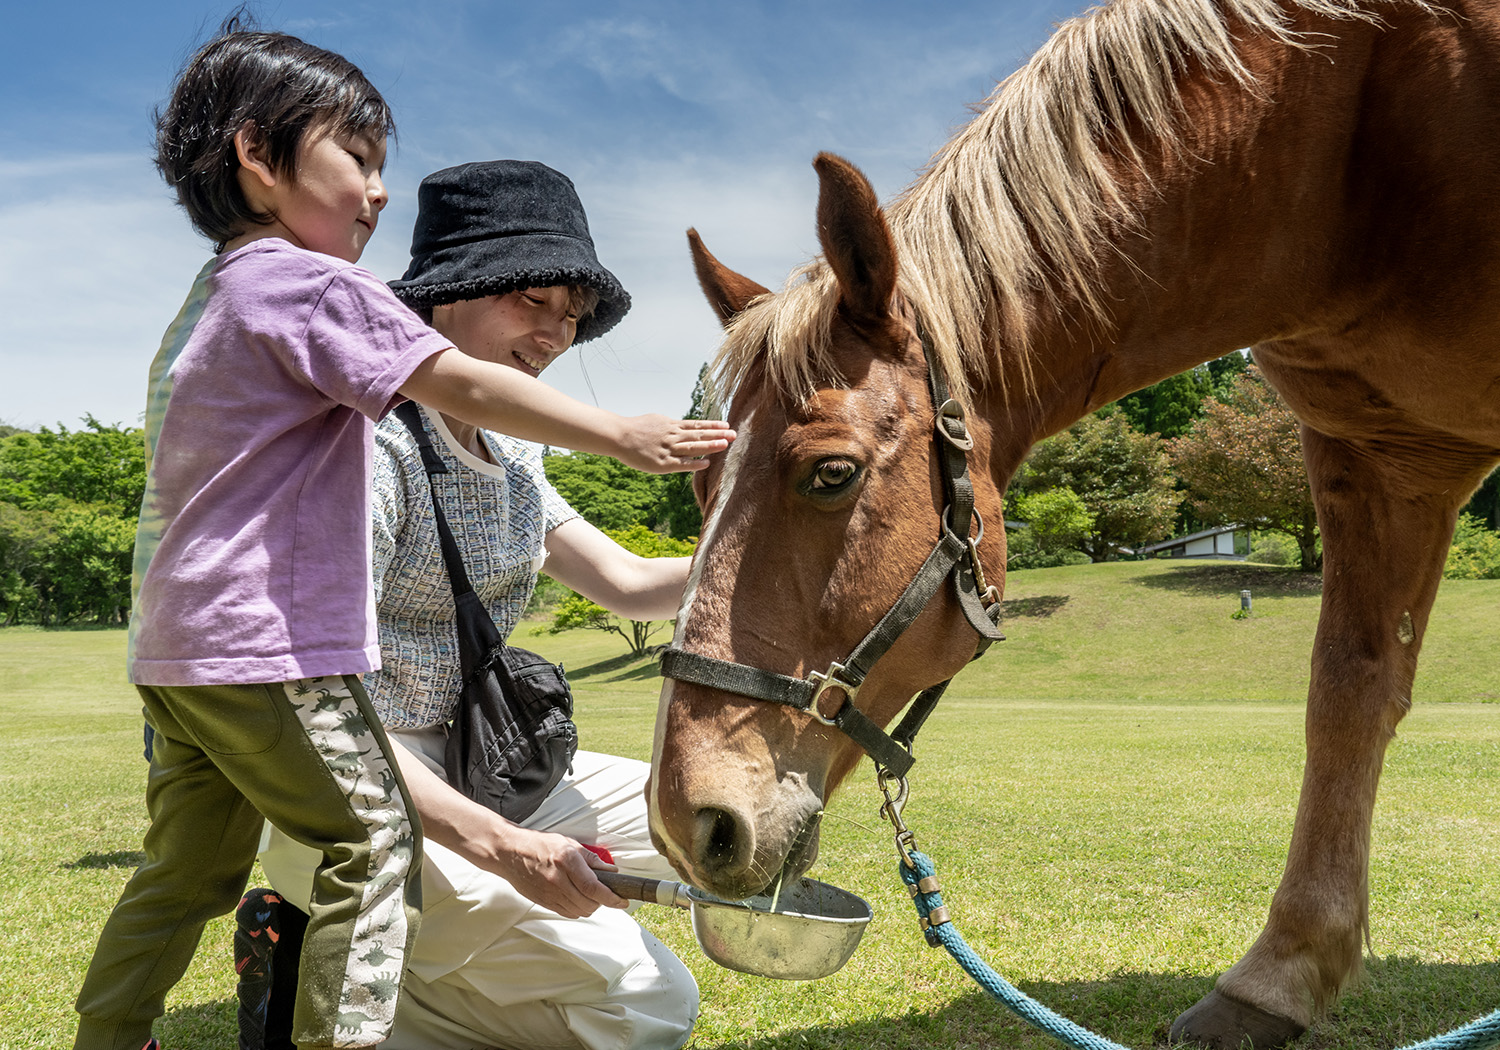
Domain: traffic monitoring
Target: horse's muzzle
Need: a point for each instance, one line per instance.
(733, 857)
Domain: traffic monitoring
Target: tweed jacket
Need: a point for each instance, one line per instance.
(500, 516)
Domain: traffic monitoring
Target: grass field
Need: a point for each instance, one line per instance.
(1107, 796)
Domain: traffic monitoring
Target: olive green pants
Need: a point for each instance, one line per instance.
(312, 758)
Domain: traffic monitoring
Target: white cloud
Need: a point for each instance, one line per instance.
(666, 115)
(94, 260)
(89, 281)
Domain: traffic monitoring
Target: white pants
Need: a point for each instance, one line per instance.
(491, 969)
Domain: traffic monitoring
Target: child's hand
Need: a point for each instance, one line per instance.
(661, 445)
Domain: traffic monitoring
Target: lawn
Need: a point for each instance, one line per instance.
(1107, 796)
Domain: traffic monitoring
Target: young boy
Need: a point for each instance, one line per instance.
(253, 616)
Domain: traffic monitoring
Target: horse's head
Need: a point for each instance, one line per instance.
(816, 520)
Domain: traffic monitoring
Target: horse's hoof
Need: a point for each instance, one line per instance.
(1222, 1023)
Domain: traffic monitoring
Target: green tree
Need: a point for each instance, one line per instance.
(576, 612)
(1169, 407)
(605, 491)
(1485, 503)
(24, 534)
(1475, 554)
(1055, 522)
(103, 464)
(1223, 371)
(82, 572)
(1120, 475)
(69, 500)
(1242, 463)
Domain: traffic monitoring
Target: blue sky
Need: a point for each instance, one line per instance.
(665, 114)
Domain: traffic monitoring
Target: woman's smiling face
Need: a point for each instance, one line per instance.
(526, 329)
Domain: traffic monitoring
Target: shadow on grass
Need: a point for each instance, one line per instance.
(1269, 581)
(623, 668)
(1039, 607)
(120, 858)
(1401, 1001)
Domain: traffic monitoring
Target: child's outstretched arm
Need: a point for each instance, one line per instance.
(503, 399)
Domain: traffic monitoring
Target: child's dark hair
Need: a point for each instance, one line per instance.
(277, 84)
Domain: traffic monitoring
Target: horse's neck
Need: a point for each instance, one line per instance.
(1231, 243)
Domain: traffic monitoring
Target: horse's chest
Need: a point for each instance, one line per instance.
(1412, 396)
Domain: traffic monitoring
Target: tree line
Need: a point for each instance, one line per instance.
(1214, 445)
(69, 500)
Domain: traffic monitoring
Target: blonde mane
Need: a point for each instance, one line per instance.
(1010, 213)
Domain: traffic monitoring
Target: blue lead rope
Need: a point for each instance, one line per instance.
(921, 878)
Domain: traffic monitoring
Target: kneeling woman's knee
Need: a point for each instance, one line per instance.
(660, 997)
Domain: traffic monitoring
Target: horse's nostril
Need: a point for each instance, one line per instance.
(719, 838)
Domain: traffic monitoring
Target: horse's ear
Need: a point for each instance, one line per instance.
(728, 292)
(856, 240)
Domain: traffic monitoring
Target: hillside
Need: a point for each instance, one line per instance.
(1163, 630)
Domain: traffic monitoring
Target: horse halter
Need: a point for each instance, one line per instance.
(955, 557)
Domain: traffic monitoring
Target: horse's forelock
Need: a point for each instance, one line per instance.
(790, 334)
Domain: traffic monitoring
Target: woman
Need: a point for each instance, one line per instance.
(520, 944)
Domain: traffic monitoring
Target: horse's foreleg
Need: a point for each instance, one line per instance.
(1386, 524)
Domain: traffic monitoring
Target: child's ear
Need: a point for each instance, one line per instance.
(251, 150)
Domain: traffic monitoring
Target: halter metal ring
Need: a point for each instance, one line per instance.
(948, 523)
(822, 681)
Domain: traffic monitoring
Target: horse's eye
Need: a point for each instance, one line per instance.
(832, 475)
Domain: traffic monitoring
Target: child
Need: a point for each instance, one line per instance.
(253, 616)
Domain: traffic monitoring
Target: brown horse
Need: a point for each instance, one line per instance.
(1161, 184)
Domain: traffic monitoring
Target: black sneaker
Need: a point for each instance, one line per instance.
(267, 947)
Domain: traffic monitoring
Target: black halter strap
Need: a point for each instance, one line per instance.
(955, 557)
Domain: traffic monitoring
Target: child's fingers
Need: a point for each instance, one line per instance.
(695, 447)
(707, 430)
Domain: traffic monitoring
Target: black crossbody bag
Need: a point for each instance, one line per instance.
(513, 736)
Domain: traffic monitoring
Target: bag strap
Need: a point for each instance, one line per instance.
(433, 464)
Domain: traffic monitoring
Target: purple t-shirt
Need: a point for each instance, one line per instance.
(252, 556)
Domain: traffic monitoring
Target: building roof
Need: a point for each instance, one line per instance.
(1178, 541)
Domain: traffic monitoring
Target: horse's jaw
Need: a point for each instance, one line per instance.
(731, 819)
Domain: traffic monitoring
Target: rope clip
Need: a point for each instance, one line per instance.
(891, 811)
(988, 594)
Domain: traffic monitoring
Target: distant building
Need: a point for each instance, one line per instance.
(1230, 542)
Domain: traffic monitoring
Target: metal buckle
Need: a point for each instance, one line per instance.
(951, 409)
(822, 681)
(891, 811)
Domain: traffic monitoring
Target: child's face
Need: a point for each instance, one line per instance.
(333, 201)
(526, 330)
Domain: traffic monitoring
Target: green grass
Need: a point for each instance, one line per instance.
(1107, 795)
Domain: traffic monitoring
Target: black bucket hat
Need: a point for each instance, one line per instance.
(492, 227)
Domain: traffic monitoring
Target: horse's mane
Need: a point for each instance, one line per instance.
(1015, 204)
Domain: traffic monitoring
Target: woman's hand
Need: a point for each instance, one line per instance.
(547, 869)
(553, 871)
